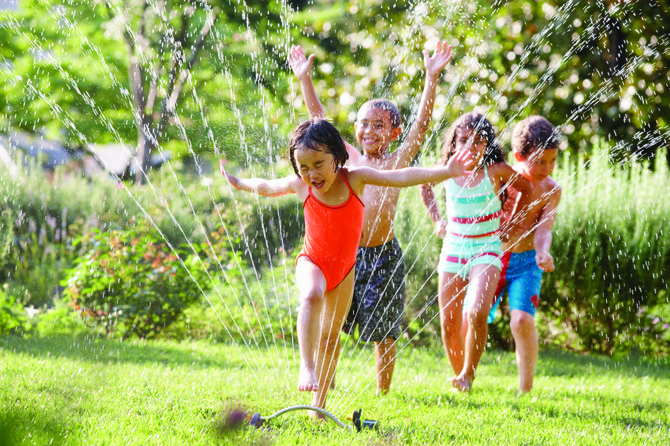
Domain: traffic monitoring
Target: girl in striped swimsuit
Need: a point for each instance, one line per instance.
(470, 258)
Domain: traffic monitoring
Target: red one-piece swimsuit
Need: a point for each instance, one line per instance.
(332, 235)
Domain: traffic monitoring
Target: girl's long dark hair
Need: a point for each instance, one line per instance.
(477, 122)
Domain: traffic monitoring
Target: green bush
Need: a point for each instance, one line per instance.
(245, 308)
(13, 317)
(38, 221)
(130, 282)
(611, 246)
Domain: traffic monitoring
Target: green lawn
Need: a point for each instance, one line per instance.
(63, 391)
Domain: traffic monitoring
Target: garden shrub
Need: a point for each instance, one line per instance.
(612, 252)
(244, 308)
(131, 282)
(39, 220)
(13, 317)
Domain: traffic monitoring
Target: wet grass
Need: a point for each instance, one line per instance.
(66, 391)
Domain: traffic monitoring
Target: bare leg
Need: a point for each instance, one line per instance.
(384, 364)
(466, 324)
(483, 282)
(311, 284)
(331, 386)
(337, 303)
(525, 338)
(450, 297)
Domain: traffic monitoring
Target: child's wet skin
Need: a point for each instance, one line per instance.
(307, 381)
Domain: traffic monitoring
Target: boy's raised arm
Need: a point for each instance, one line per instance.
(301, 67)
(433, 65)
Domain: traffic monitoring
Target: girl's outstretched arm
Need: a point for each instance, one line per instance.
(261, 186)
(429, 201)
(458, 165)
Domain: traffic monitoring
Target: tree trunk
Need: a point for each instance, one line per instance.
(145, 146)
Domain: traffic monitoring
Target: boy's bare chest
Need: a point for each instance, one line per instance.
(378, 199)
(533, 204)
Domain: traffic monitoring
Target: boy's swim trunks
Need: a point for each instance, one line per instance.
(523, 281)
(379, 294)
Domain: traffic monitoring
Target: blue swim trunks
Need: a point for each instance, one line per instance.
(522, 279)
(379, 293)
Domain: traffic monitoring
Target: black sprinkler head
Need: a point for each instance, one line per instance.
(364, 424)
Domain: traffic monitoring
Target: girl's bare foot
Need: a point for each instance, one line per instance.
(462, 382)
(307, 381)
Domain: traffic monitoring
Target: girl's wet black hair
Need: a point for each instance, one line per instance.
(477, 122)
(317, 134)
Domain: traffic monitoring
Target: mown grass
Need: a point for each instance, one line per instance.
(66, 391)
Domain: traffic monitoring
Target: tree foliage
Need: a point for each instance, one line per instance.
(594, 69)
(188, 75)
(135, 71)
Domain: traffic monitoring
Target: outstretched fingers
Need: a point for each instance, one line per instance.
(461, 163)
(440, 58)
(230, 178)
(298, 62)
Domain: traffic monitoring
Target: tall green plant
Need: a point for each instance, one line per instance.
(131, 282)
(612, 252)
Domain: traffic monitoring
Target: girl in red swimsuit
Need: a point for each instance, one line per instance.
(333, 214)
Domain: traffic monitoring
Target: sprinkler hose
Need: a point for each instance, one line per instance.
(257, 420)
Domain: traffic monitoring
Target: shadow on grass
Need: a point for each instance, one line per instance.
(562, 363)
(102, 350)
(17, 426)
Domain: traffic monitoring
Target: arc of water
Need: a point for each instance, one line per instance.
(70, 123)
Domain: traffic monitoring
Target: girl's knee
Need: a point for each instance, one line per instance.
(312, 296)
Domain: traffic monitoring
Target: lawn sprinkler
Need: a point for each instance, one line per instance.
(256, 420)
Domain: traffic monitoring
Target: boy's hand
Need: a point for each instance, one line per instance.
(439, 60)
(235, 182)
(460, 163)
(441, 228)
(545, 261)
(299, 64)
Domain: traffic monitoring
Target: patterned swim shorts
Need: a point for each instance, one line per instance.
(379, 293)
